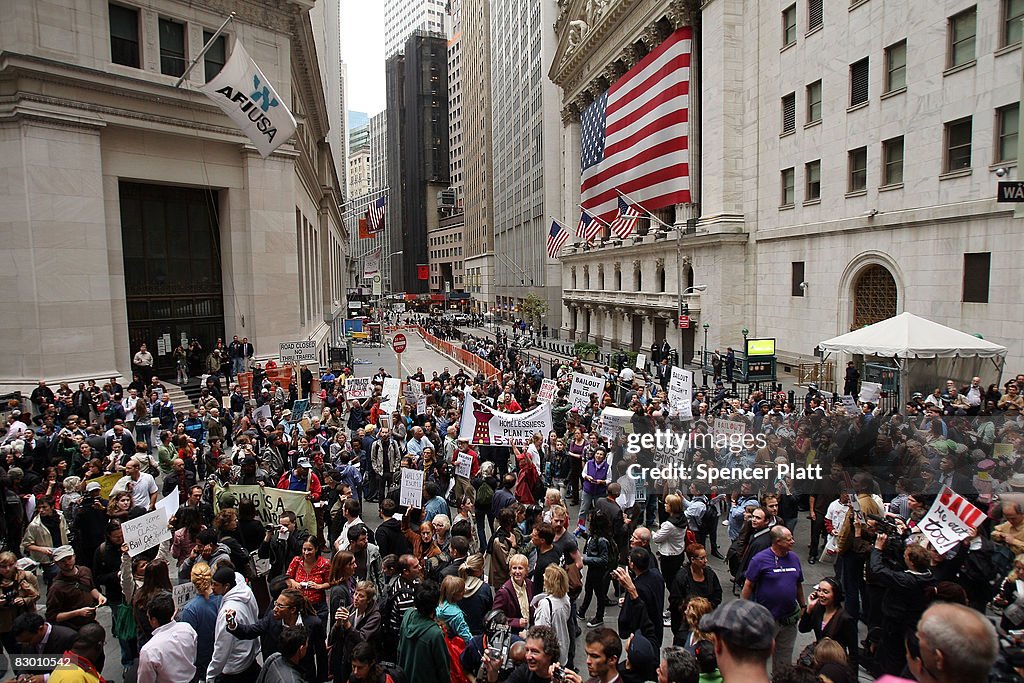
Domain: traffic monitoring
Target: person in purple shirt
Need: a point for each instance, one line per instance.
(596, 478)
(776, 580)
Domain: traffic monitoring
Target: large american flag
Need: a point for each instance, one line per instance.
(557, 237)
(375, 214)
(635, 135)
(589, 227)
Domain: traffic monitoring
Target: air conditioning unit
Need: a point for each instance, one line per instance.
(446, 197)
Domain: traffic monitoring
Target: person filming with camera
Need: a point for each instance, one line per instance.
(541, 665)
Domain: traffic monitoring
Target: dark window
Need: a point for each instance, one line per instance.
(1006, 129)
(798, 278)
(213, 60)
(1013, 12)
(976, 274)
(789, 26)
(812, 171)
(172, 47)
(859, 82)
(958, 144)
(124, 36)
(896, 66)
(814, 102)
(789, 113)
(963, 29)
(892, 160)
(857, 161)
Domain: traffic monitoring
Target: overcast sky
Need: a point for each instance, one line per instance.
(362, 49)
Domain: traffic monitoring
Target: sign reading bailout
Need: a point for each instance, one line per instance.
(246, 96)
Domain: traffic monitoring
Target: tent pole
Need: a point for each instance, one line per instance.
(904, 393)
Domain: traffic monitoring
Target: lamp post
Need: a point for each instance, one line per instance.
(704, 355)
(679, 312)
(744, 332)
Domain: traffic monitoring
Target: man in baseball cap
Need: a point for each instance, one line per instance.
(744, 639)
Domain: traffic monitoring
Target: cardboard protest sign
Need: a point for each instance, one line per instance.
(729, 427)
(421, 405)
(390, 394)
(169, 504)
(850, 405)
(870, 392)
(106, 482)
(183, 592)
(464, 465)
(271, 502)
(583, 385)
(359, 388)
(548, 389)
(145, 532)
(680, 392)
(411, 493)
(949, 520)
(615, 421)
(262, 414)
(641, 361)
(484, 426)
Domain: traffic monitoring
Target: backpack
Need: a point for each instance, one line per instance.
(709, 518)
(484, 496)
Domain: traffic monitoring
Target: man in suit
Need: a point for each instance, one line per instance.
(664, 373)
(247, 353)
(33, 635)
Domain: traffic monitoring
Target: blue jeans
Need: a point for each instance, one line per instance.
(237, 365)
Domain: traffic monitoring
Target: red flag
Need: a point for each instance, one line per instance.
(364, 233)
(423, 271)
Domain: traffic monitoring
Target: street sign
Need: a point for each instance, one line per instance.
(301, 352)
(1011, 191)
(684, 322)
(398, 343)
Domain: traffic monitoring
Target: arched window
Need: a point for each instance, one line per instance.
(600, 278)
(661, 279)
(618, 278)
(689, 277)
(573, 279)
(874, 296)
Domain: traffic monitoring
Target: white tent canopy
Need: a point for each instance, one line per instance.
(909, 336)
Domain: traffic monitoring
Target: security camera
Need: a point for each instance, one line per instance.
(803, 285)
(871, 213)
(1001, 172)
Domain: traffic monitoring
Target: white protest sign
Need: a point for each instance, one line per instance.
(411, 494)
(641, 361)
(146, 531)
(298, 351)
(615, 421)
(850, 404)
(390, 393)
(680, 392)
(583, 385)
(464, 465)
(358, 387)
(729, 427)
(421, 405)
(262, 414)
(548, 388)
(950, 520)
(169, 504)
(183, 592)
(484, 426)
(870, 392)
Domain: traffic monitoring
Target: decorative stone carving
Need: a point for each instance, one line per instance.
(578, 30)
(685, 261)
(636, 265)
(563, 14)
(659, 264)
(600, 269)
(618, 267)
(651, 36)
(593, 10)
(680, 13)
(612, 72)
(630, 56)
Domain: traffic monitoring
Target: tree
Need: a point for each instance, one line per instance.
(533, 308)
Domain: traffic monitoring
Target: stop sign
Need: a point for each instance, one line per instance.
(398, 343)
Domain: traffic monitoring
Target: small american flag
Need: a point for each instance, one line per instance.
(557, 237)
(635, 136)
(625, 222)
(375, 214)
(589, 227)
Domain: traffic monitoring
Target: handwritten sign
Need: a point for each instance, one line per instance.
(183, 592)
(411, 493)
(358, 387)
(464, 465)
(641, 361)
(146, 531)
(421, 405)
(548, 388)
(870, 392)
(850, 405)
(169, 504)
(390, 393)
(615, 421)
(299, 409)
(262, 414)
(680, 392)
(583, 385)
(729, 427)
(949, 521)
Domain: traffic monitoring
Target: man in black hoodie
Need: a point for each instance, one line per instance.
(389, 536)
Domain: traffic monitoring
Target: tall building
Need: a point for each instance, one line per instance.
(378, 150)
(839, 174)
(525, 144)
(456, 148)
(417, 163)
(136, 211)
(325, 19)
(402, 18)
(478, 202)
(359, 161)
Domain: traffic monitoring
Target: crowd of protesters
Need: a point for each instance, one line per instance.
(496, 575)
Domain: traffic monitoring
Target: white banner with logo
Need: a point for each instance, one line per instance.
(244, 94)
(371, 263)
(485, 426)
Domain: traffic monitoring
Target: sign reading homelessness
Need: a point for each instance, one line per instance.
(485, 426)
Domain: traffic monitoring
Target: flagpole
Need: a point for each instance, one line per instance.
(595, 216)
(649, 214)
(206, 49)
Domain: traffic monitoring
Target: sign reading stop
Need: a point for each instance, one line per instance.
(398, 343)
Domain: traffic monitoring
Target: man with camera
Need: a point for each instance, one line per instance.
(542, 655)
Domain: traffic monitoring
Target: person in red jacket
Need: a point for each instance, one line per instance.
(527, 479)
(301, 479)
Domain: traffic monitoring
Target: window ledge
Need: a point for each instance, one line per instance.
(889, 188)
(855, 107)
(813, 202)
(787, 133)
(894, 93)
(857, 193)
(959, 173)
(959, 67)
(854, 4)
(783, 207)
(814, 30)
(1007, 49)
(1008, 164)
(787, 46)
(812, 124)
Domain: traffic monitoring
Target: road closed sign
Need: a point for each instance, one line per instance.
(300, 352)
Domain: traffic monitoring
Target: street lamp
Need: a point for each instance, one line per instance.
(704, 355)
(679, 312)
